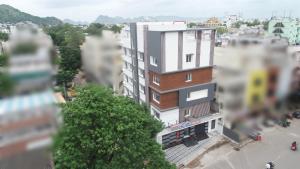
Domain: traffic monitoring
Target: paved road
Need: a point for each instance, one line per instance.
(274, 147)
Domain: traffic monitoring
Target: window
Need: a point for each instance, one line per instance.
(213, 124)
(153, 60)
(187, 112)
(188, 57)
(141, 56)
(156, 97)
(142, 73)
(197, 95)
(142, 89)
(156, 80)
(157, 115)
(188, 77)
(126, 65)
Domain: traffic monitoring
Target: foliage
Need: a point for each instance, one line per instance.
(191, 25)
(221, 30)
(238, 24)
(266, 25)
(9, 14)
(116, 28)
(95, 29)
(3, 60)
(103, 131)
(3, 36)
(24, 48)
(65, 35)
(6, 85)
(68, 38)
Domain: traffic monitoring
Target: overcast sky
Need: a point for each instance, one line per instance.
(88, 10)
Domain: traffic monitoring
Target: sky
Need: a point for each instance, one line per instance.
(89, 10)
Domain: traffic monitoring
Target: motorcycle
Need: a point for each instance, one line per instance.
(270, 165)
(294, 146)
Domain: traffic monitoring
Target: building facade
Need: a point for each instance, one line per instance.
(169, 67)
(285, 27)
(102, 60)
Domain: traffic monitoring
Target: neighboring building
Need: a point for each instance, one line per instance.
(102, 60)
(253, 77)
(28, 119)
(213, 22)
(31, 69)
(169, 67)
(231, 19)
(285, 27)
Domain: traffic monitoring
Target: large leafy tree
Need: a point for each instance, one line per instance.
(3, 36)
(103, 131)
(68, 39)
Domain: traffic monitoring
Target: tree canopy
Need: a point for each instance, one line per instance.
(3, 36)
(104, 131)
(68, 39)
(97, 28)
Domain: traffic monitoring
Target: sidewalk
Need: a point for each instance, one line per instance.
(181, 155)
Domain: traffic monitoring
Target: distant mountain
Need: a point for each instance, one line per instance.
(115, 20)
(72, 22)
(9, 14)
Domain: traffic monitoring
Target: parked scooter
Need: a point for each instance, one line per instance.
(270, 165)
(294, 146)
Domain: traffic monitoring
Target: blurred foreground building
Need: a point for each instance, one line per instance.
(28, 117)
(253, 81)
(286, 27)
(169, 68)
(102, 60)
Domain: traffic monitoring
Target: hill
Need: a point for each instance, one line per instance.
(9, 14)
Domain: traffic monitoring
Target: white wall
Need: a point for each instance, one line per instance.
(167, 117)
(171, 51)
(140, 38)
(189, 47)
(205, 48)
(199, 94)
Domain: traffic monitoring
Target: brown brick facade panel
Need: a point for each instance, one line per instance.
(26, 122)
(167, 100)
(18, 147)
(178, 79)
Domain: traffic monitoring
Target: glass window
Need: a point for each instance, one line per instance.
(188, 77)
(213, 124)
(156, 79)
(188, 57)
(156, 114)
(156, 97)
(153, 60)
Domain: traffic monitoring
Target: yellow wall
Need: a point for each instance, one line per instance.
(256, 87)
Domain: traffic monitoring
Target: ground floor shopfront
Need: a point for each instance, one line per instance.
(189, 132)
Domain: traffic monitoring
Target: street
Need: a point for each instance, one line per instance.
(275, 147)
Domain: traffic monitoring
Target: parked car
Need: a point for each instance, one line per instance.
(296, 114)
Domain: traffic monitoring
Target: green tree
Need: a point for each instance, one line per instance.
(116, 28)
(6, 85)
(221, 30)
(95, 29)
(103, 131)
(191, 25)
(3, 60)
(266, 25)
(3, 36)
(68, 38)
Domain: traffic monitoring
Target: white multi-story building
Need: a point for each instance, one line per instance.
(169, 67)
(102, 60)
